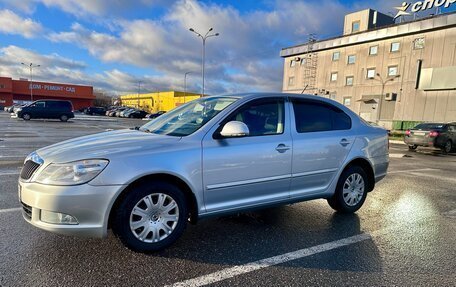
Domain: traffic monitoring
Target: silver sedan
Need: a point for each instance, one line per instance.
(212, 156)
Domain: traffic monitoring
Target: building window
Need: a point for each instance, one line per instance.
(370, 73)
(334, 77)
(373, 50)
(293, 63)
(351, 59)
(2, 86)
(355, 26)
(336, 56)
(418, 43)
(395, 47)
(332, 97)
(347, 101)
(303, 61)
(392, 71)
(349, 81)
(291, 81)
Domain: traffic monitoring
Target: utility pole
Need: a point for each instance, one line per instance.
(185, 84)
(31, 66)
(207, 35)
(384, 82)
(139, 91)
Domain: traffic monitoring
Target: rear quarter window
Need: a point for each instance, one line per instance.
(314, 116)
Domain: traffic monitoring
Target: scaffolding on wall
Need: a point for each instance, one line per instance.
(309, 62)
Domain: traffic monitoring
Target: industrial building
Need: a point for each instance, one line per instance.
(158, 101)
(396, 74)
(24, 91)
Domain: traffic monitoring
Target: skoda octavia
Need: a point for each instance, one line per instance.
(211, 156)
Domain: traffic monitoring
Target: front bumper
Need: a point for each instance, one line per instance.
(89, 204)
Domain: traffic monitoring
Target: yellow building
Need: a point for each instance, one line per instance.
(159, 101)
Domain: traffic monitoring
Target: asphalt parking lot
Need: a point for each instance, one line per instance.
(404, 235)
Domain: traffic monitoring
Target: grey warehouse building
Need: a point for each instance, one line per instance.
(395, 74)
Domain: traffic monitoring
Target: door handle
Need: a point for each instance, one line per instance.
(282, 148)
(344, 142)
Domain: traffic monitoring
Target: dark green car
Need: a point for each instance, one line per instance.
(437, 135)
(47, 109)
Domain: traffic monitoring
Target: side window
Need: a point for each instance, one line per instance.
(264, 117)
(452, 128)
(313, 116)
(40, 104)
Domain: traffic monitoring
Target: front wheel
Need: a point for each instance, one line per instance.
(448, 147)
(151, 217)
(351, 190)
(26, 117)
(63, 118)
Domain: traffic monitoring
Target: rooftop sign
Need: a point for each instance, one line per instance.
(421, 6)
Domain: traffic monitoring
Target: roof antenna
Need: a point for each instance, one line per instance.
(304, 89)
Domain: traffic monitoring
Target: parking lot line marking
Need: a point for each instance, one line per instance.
(271, 261)
(412, 170)
(441, 178)
(10, 209)
(9, 173)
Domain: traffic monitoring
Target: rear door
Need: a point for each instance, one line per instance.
(322, 139)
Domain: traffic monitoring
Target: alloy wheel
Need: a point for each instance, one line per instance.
(353, 189)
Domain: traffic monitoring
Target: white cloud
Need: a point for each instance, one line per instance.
(11, 23)
(248, 43)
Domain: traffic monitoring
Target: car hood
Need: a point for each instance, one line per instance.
(105, 145)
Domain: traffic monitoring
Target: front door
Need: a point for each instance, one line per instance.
(252, 170)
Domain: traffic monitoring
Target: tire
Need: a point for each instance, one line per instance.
(63, 118)
(26, 117)
(355, 196)
(412, 147)
(448, 147)
(155, 238)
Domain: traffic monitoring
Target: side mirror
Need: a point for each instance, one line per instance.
(234, 129)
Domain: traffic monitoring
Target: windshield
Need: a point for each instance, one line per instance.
(188, 118)
(428, 126)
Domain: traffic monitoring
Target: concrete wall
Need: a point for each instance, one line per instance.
(411, 104)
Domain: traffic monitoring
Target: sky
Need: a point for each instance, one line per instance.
(114, 44)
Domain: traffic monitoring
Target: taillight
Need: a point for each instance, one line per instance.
(407, 132)
(433, 134)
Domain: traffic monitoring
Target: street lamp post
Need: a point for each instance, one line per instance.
(185, 84)
(139, 91)
(384, 82)
(207, 35)
(31, 66)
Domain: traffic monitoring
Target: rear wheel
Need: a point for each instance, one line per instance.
(26, 117)
(412, 147)
(351, 190)
(64, 118)
(151, 217)
(448, 147)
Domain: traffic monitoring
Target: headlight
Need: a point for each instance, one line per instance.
(18, 109)
(71, 173)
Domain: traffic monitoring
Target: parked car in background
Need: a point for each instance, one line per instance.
(10, 109)
(46, 109)
(99, 111)
(437, 135)
(154, 115)
(211, 156)
(125, 113)
(118, 112)
(137, 114)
